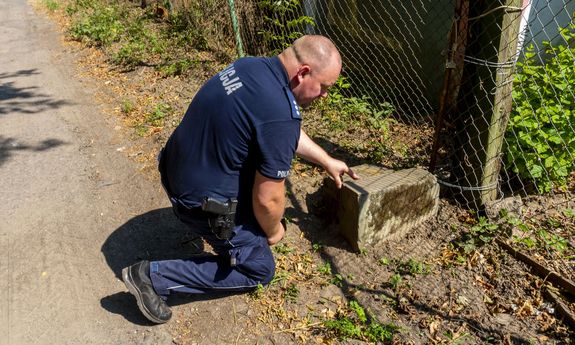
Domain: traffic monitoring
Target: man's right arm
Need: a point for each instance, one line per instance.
(312, 152)
(269, 205)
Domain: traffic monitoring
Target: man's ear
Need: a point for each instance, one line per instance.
(303, 71)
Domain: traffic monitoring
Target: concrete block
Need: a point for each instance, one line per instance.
(383, 204)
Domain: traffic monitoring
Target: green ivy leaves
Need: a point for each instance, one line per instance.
(540, 135)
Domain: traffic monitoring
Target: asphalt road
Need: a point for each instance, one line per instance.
(71, 204)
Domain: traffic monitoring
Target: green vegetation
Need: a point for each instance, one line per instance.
(97, 23)
(127, 106)
(75, 6)
(383, 261)
(395, 281)
(357, 116)
(139, 44)
(480, 234)
(100, 25)
(545, 235)
(178, 67)
(412, 267)
(353, 322)
(156, 117)
(325, 269)
(291, 292)
(569, 213)
(317, 247)
(185, 29)
(337, 280)
(552, 241)
(280, 278)
(134, 37)
(283, 23)
(282, 248)
(258, 292)
(536, 237)
(540, 135)
(51, 5)
(359, 107)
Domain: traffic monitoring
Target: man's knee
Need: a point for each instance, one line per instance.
(258, 264)
(269, 271)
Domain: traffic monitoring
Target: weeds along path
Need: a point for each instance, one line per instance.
(66, 193)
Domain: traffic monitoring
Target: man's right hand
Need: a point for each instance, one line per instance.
(277, 236)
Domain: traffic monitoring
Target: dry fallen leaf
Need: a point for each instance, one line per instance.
(433, 327)
(526, 309)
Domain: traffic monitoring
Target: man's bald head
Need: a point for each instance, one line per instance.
(313, 64)
(315, 50)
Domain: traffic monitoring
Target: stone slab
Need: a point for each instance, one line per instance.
(383, 203)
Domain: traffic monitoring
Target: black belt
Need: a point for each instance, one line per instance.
(194, 212)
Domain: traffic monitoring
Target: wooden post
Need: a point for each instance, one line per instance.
(502, 101)
(483, 107)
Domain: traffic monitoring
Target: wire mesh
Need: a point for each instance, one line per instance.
(384, 44)
(466, 67)
(511, 130)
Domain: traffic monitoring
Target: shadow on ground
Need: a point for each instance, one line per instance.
(155, 235)
(24, 99)
(9, 145)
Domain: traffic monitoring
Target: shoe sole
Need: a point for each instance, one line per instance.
(127, 278)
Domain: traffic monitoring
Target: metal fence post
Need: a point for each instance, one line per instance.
(239, 44)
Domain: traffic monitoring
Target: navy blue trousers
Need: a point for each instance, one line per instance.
(248, 249)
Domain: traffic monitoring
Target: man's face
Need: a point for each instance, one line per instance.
(310, 85)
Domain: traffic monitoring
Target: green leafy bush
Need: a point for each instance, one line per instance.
(131, 54)
(186, 29)
(540, 136)
(100, 26)
(138, 44)
(76, 6)
(283, 23)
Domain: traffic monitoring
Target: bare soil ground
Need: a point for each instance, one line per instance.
(432, 291)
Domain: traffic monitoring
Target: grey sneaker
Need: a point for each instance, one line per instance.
(137, 280)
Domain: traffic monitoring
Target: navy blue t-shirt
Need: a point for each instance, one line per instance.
(243, 119)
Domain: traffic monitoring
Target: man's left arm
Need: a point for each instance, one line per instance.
(268, 200)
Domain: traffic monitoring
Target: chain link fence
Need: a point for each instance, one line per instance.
(495, 79)
(507, 128)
